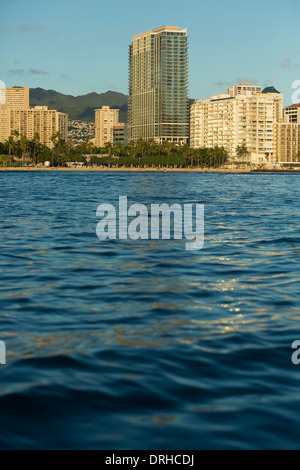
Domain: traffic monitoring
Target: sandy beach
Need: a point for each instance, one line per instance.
(161, 170)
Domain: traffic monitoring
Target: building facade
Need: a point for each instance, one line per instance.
(4, 122)
(288, 137)
(120, 134)
(105, 120)
(16, 115)
(232, 121)
(292, 114)
(288, 144)
(244, 89)
(158, 86)
(16, 98)
(39, 120)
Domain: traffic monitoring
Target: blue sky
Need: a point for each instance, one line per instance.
(77, 47)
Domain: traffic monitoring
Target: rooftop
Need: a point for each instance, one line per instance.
(270, 89)
(166, 28)
(172, 29)
(296, 105)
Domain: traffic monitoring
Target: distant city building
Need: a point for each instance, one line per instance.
(16, 115)
(288, 136)
(105, 120)
(287, 143)
(4, 122)
(232, 121)
(244, 89)
(120, 134)
(16, 98)
(158, 86)
(39, 120)
(292, 113)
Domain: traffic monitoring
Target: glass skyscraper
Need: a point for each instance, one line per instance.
(158, 86)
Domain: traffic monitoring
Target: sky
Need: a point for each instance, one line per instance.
(78, 47)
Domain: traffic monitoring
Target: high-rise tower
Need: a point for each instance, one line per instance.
(158, 86)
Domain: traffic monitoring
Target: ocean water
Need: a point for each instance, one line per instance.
(142, 344)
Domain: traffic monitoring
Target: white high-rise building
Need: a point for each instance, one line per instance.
(232, 121)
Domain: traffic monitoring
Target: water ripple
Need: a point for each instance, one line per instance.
(127, 344)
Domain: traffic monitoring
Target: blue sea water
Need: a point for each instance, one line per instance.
(129, 344)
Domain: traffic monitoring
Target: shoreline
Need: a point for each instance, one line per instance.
(134, 169)
(154, 170)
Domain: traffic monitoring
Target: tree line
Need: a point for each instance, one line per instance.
(18, 150)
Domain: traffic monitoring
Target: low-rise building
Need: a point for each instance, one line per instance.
(120, 134)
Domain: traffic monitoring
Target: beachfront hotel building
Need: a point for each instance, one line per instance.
(16, 98)
(39, 120)
(234, 119)
(11, 99)
(105, 121)
(287, 144)
(158, 86)
(16, 115)
(288, 137)
(292, 114)
(244, 89)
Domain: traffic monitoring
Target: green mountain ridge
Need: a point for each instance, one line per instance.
(79, 107)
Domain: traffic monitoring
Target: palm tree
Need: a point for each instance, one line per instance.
(10, 143)
(168, 147)
(69, 146)
(119, 148)
(185, 151)
(242, 151)
(132, 149)
(108, 148)
(89, 146)
(152, 147)
(211, 154)
(16, 134)
(24, 147)
(35, 141)
(56, 141)
(191, 155)
(53, 138)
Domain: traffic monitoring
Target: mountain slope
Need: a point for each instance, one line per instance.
(79, 107)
